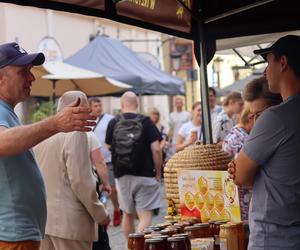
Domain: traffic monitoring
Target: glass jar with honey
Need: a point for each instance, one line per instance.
(154, 244)
(228, 237)
(177, 243)
(136, 241)
(241, 235)
(199, 230)
(187, 239)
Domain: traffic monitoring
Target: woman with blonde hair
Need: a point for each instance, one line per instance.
(236, 137)
(232, 105)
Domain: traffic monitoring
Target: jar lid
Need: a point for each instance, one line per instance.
(164, 237)
(201, 225)
(240, 223)
(154, 240)
(136, 235)
(148, 236)
(163, 225)
(191, 228)
(220, 222)
(169, 217)
(181, 235)
(178, 224)
(226, 226)
(176, 239)
(148, 231)
(154, 228)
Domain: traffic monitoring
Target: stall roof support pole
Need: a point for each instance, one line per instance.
(206, 122)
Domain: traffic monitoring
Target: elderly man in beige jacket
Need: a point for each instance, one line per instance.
(72, 202)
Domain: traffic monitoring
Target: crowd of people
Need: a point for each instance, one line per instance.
(82, 156)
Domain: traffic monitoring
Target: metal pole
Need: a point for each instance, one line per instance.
(206, 123)
(53, 91)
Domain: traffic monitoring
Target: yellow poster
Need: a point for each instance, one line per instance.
(210, 195)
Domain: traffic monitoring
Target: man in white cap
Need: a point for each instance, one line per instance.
(22, 199)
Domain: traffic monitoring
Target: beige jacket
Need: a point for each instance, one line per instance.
(72, 202)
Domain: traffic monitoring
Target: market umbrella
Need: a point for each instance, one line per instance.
(112, 58)
(55, 78)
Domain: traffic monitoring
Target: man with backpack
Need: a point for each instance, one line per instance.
(137, 158)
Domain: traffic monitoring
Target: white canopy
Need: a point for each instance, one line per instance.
(58, 77)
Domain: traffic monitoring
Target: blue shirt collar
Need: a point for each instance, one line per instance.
(5, 104)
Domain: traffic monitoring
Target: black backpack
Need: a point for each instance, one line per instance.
(127, 144)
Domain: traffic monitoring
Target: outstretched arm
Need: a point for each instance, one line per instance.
(18, 139)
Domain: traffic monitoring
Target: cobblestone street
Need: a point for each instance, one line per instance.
(116, 238)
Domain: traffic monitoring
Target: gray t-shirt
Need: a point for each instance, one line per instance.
(274, 144)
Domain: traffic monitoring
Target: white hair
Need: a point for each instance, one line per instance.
(71, 96)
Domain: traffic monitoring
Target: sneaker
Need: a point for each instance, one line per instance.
(117, 218)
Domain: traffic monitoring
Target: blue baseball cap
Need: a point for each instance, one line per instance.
(13, 54)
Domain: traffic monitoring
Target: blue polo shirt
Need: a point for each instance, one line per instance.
(22, 191)
(274, 144)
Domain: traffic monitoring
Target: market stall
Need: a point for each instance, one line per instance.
(207, 23)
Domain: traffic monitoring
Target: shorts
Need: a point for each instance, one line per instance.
(110, 171)
(138, 193)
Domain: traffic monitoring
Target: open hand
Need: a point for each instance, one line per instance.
(74, 118)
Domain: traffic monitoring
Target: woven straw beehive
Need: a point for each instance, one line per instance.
(196, 157)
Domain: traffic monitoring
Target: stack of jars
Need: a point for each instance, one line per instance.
(183, 235)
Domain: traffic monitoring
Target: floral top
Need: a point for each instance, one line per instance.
(232, 144)
(221, 126)
(234, 140)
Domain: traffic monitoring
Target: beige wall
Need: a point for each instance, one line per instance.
(28, 25)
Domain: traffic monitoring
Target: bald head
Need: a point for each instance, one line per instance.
(71, 96)
(129, 102)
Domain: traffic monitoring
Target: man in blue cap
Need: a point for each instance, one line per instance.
(270, 157)
(22, 199)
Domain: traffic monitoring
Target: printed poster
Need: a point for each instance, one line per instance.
(210, 195)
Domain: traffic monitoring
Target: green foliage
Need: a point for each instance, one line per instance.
(42, 111)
